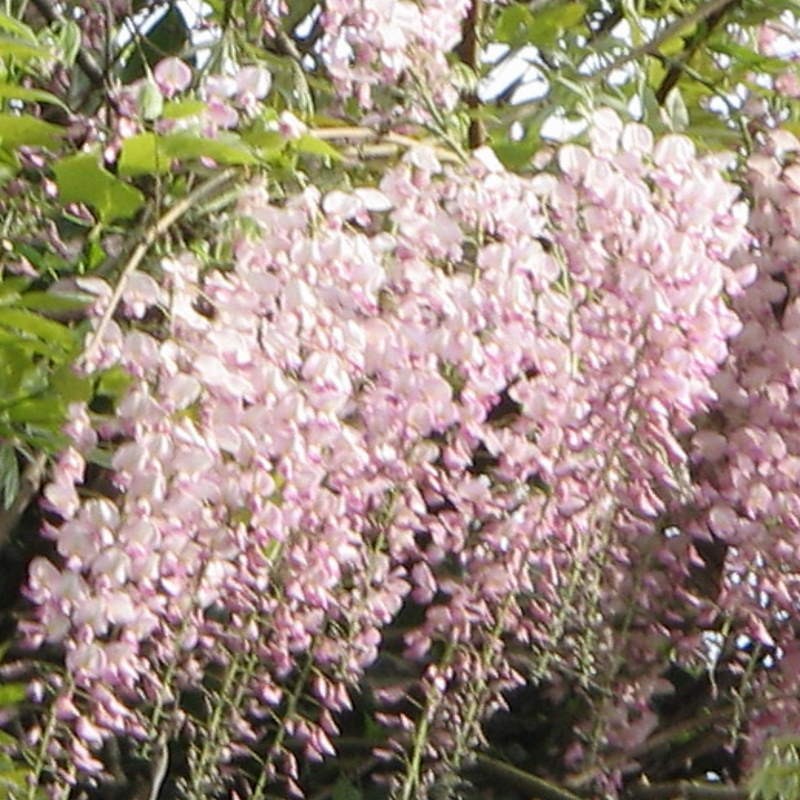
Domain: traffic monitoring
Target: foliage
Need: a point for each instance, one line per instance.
(371, 405)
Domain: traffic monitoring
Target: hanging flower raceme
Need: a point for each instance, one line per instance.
(390, 43)
(451, 393)
(747, 452)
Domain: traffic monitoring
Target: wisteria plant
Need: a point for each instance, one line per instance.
(399, 399)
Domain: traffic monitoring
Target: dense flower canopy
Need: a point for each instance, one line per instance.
(459, 369)
(380, 443)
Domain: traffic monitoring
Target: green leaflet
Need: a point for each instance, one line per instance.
(81, 179)
(149, 153)
(23, 129)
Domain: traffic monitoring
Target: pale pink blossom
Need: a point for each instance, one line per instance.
(172, 76)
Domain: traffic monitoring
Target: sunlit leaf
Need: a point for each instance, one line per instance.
(20, 48)
(13, 91)
(114, 382)
(311, 145)
(20, 29)
(141, 155)
(71, 387)
(518, 25)
(148, 153)
(47, 411)
(151, 101)
(69, 41)
(179, 109)
(81, 179)
(24, 129)
(745, 58)
(515, 25)
(54, 302)
(677, 115)
(35, 325)
(14, 778)
(227, 149)
(11, 694)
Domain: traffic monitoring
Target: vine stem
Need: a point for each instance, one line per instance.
(412, 777)
(40, 758)
(470, 53)
(211, 739)
(420, 740)
(524, 780)
(259, 791)
(151, 236)
(381, 144)
(673, 29)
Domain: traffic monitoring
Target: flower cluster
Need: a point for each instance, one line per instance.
(227, 101)
(461, 391)
(368, 45)
(748, 450)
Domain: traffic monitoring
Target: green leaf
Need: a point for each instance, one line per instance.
(677, 116)
(35, 325)
(7, 740)
(48, 438)
(31, 380)
(12, 25)
(311, 145)
(150, 154)
(267, 142)
(19, 48)
(240, 516)
(69, 42)
(151, 101)
(81, 179)
(518, 26)
(712, 132)
(517, 155)
(40, 411)
(54, 302)
(94, 254)
(514, 25)
(745, 59)
(24, 129)
(298, 11)
(228, 149)
(14, 92)
(16, 778)
(141, 155)
(71, 387)
(10, 340)
(11, 694)
(9, 165)
(9, 475)
(103, 458)
(179, 109)
(44, 260)
(553, 20)
(114, 382)
(14, 285)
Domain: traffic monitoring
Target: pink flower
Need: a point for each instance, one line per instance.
(252, 83)
(290, 126)
(141, 292)
(172, 76)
